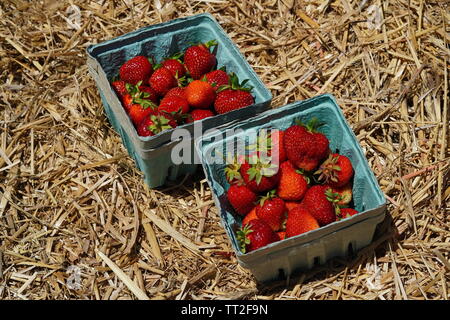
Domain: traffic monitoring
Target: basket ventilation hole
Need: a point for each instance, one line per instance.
(316, 261)
(281, 274)
(350, 250)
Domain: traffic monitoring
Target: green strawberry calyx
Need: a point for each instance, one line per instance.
(241, 236)
(270, 195)
(232, 169)
(234, 84)
(261, 167)
(312, 125)
(159, 124)
(329, 169)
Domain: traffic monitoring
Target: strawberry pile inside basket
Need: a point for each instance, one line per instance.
(180, 89)
(307, 188)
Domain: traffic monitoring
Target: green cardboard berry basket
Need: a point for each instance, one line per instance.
(153, 154)
(302, 252)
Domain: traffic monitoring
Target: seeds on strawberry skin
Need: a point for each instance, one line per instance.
(319, 205)
(241, 198)
(254, 235)
(300, 221)
(200, 94)
(199, 114)
(272, 210)
(162, 80)
(292, 185)
(136, 69)
(199, 60)
(173, 104)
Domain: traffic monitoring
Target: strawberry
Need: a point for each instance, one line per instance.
(138, 111)
(232, 170)
(293, 184)
(199, 114)
(319, 205)
(200, 94)
(173, 104)
(293, 204)
(281, 235)
(177, 91)
(304, 146)
(127, 102)
(300, 221)
(162, 80)
(346, 213)
(254, 235)
(336, 171)
(136, 69)
(154, 124)
(241, 198)
(343, 195)
(217, 78)
(249, 216)
(149, 94)
(272, 210)
(234, 96)
(175, 65)
(119, 87)
(199, 60)
(259, 175)
(270, 143)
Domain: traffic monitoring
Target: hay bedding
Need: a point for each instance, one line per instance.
(70, 195)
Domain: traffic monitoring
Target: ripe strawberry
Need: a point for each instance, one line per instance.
(217, 78)
(292, 185)
(343, 195)
(173, 104)
(234, 96)
(336, 171)
(199, 60)
(346, 213)
(249, 216)
(272, 210)
(281, 235)
(177, 91)
(154, 124)
(136, 69)
(270, 143)
(200, 94)
(149, 94)
(120, 88)
(254, 235)
(304, 146)
(319, 205)
(199, 114)
(300, 221)
(241, 198)
(293, 204)
(175, 65)
(127, 102)
(259, 175)
(162, 80)
(139, 111)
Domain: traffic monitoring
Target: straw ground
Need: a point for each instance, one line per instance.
(71, 196)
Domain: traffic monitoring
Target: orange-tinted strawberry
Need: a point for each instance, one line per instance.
(127, 102)
(119, 87)
(199, 114)
(173, 104)
(254, 235)
(336, 171)
(292, 185)
(200, 94)
(319, 205)
(249, 216)
(259, 175)
(305, 147)
(136, 69)
(177, 91)
(139, 111)
(162, 80)
(293, 204)
(281, 235)
(272, 210)
(346, 213)
(299, 221)
(241, 198)
(217, 78)
(199, 60)
(234, 96)
(154, 124)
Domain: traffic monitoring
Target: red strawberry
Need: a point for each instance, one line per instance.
(139, 111)
(259, 175)
(270, 143)
(136, 69)
(175, 66)
(173, 104)
(346, 213)
(200, 94)
(149, 94)
(300, 221)
(305, 147)
(292, 185)
(154, 124)
(199, 114)
(127, 102)
(254, 235)
(217, 78)
(177, 91)
(336, 171)
(343, 195)
(249, 216)
(199, 60)
(234, 96)
(293, 204)
(281, 235)
(120, 88)
(241, 198)
(272, 210)
(162, 80)
(319, 205)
